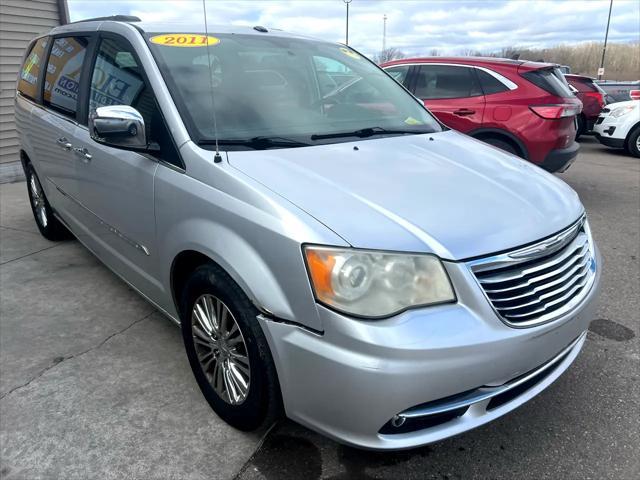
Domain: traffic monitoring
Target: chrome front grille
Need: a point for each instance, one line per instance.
(541, 282)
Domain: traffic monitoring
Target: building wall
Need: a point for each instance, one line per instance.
(20, 21)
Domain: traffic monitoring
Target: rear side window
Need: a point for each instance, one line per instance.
(550, 81)
(62, 80)
(399, 73)
(30, 71)
(590, 86)
(444, 81)
(490, 84)
(582, 84)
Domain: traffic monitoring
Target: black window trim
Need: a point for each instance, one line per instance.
(509, 84)
(85, 89)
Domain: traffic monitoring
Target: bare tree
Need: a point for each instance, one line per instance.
(623, 59)
(387, 55)
(434, 52)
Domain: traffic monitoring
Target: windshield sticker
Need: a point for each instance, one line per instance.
(350, 53)
(413, 121)
(184, 40)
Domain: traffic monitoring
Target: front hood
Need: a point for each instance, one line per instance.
(443, 193)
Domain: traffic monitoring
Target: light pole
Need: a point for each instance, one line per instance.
(604, 48)
(384, 33)
(347, 2)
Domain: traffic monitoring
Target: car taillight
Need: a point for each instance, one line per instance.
(556, 111)
(598, 96)
(634, 94)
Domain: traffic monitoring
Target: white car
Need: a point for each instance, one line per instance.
(618, 126)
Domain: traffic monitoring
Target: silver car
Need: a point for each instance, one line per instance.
(331, 251)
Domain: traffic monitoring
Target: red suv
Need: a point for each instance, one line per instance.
(592, 98)
(525, 108)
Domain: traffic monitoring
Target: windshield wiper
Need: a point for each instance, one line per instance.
(258, 143)
(369, 132)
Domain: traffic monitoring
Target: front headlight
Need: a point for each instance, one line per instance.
(369, 283)
(620, 111)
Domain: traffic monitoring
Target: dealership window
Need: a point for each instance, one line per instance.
(30, 71)
(62, 79)
(444, 81)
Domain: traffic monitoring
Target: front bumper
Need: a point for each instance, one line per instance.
(610, 131)
(560, 159)
(609, 141)
(350, 382)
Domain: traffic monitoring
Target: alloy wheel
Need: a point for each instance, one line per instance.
(38, 201)
(221, 349)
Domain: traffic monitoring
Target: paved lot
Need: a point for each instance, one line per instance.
(94, 383)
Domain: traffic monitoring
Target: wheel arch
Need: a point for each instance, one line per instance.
(188, 260)
(482, 133)
(24, 159)
(234, 256)
(631, 130)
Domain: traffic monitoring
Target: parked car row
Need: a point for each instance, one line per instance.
(620, 91)
(330, 250)
(618, 126)
(593, 100)
(524, 108)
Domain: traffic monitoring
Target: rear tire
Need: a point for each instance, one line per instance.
(502, 145)
(632, 145)
(50, 227)
(232, 365)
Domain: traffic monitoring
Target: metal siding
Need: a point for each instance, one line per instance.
(20, 21)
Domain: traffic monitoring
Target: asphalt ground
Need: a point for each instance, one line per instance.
(95, 384)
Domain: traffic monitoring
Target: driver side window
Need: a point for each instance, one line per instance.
(117, 79)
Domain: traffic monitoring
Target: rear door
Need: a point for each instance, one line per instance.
(54, 121)
(452, 93)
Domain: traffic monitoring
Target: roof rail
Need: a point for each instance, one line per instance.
(114, 18)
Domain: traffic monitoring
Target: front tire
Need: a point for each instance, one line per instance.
(632, 144)
(227, 350)
(50, 227)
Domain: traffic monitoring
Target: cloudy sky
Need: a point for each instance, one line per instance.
(417, 26)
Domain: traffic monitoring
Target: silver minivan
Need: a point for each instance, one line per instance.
(331, 251)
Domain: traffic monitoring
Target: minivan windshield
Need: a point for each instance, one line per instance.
(278, 92)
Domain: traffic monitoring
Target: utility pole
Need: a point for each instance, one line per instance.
(604, 48)
(347, 2)
(384, 33)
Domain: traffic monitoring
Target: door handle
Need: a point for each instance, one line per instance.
(64, 143)
(463, 112)
(83, 153)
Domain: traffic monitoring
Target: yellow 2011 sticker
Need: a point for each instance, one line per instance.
(350, 53)
(184, 40)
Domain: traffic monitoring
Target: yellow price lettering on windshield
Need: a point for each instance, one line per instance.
(350, 53)
(184, 40)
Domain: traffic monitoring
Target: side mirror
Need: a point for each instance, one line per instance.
(119, 126)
